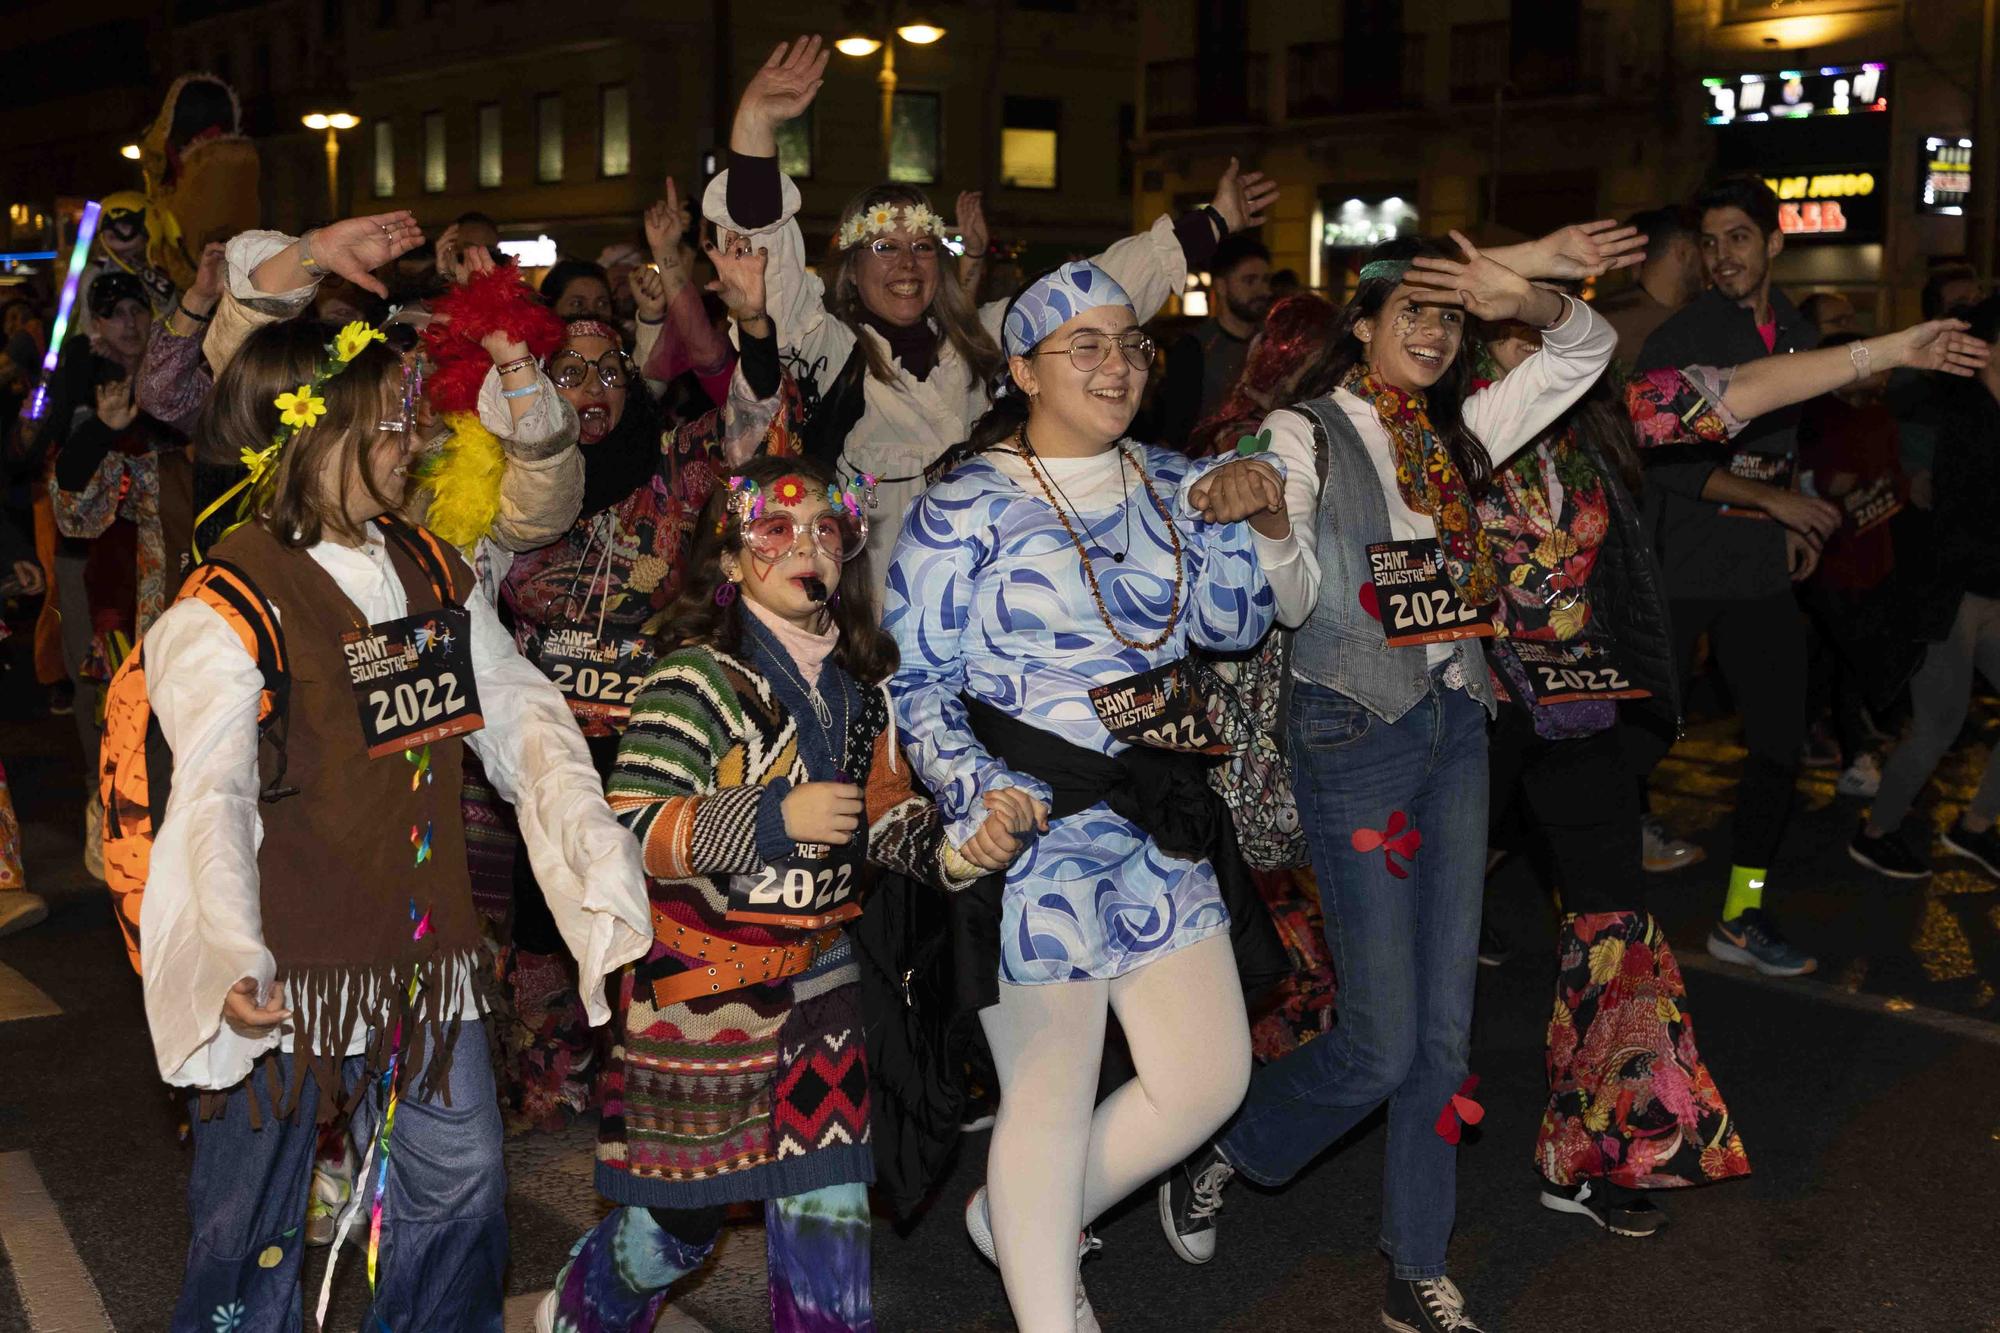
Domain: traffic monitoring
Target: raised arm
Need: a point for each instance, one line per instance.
(1772, 382)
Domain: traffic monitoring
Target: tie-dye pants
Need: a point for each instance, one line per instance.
(618, 1275)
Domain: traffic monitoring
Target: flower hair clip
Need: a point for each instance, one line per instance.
(881, 217)
(746, 499)
(858, 494)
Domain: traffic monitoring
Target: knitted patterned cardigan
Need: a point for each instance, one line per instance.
(762, 1091)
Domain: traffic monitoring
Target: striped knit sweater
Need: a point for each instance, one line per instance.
(762, 1091)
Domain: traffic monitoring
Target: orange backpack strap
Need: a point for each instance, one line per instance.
(439, 562)
(228, 591)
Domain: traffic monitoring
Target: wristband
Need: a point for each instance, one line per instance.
(199, 319)
(1858, 353)
(644, 320)
(518, 363)
(521, 392)
(1562, 318)
(1215, 216)
(306, 260)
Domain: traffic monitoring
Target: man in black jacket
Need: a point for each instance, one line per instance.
(1732, 536)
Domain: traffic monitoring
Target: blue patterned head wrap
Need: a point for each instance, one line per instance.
(1054, 300)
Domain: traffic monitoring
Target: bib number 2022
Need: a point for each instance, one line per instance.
(413, 702)
(1431, 608)
(593, 683)
(801, 889)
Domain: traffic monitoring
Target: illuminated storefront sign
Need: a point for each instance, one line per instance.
(1945, 183)
(1796, 94)
(1819, 204)
(1355, 223)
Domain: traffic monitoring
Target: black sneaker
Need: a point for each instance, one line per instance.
(1426, 1305)
(1889, 855)
(1492, 953)
(1619, 1212)
(1751, 939)
(1983, 848)
(1190, 1197)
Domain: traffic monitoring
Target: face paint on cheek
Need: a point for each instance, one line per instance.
(1405, 322)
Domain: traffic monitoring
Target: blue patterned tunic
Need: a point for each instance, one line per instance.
(987, 599)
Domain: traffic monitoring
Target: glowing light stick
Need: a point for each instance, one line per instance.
(86, 232)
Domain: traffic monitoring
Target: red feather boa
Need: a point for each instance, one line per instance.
(497, 302)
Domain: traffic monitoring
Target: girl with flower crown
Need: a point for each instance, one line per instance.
(579, 606)
(902, 359)
(760, 770)
(309, 947)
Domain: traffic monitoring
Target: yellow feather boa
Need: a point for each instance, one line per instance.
(463, 478)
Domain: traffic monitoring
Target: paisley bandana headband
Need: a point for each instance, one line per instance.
(1393, 269)
(1058, 298)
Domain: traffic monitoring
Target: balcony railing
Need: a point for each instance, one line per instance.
(1183, 94)
(1322, 80)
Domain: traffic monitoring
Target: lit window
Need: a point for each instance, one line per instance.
(1028, 143)
(614, 144)
(385, 159)
(548, 138)
(433, 152)
(489, 145)
(795, 146)
(914, 146)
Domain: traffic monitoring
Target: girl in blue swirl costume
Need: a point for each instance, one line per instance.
(1052, 561)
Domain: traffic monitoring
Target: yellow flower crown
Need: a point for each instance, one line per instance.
(298, 409)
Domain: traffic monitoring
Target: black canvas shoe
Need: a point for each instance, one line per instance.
(1426, 1305)
(1889, 855)
(1630, 1215)
(1190, 1197)
(1981, 847)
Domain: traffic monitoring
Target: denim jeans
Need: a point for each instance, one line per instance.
(1405, 952)
(444, 1230)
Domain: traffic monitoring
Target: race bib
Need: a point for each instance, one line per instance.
(1415, 598)
(598, 678)
(1559, 673)
(412, 680)
(811, 889)
(1771, 469)
(1162, 708)
(1872, 503)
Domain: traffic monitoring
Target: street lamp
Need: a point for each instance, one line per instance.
(332, 122)
(917, 31)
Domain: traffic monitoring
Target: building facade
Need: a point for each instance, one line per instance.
(1508, 117)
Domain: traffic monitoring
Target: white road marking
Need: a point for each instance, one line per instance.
(54, 1285)
(21, 998)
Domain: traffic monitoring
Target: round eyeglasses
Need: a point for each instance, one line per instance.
(1087, 351)
(569, 369)
(887, 252)
(836, 533)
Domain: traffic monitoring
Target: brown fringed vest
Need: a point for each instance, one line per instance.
(338, 869)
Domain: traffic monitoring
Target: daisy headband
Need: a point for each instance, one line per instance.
(881, 217)
(1056, 298)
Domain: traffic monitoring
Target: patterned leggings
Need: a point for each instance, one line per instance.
(617, 1277)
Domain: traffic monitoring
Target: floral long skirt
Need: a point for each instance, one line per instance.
(11, 874)
(1630, 1101)
(1303, 1006)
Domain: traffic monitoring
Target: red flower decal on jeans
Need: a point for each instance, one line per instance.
(1460, 1111)
(1400, 838)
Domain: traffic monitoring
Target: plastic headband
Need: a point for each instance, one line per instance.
(1393, 269)
(858, 494)
(1054, 300)
(591, 328)
(882, 217)
(298, 409)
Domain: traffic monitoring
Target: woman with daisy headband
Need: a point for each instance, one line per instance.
(1044, 594)
(1392, 582)
(761, 771)
(902, 359)
(310, 947)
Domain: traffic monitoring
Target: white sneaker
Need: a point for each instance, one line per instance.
(979, 1226)
(1863, 777)
(20, 909)
(1660, 851)
(332, 1198)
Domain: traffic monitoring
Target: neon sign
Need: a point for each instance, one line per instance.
(1797, 94)
(1947, 177)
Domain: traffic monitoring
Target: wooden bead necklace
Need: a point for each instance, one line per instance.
(1027, 453)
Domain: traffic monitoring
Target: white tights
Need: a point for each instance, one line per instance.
(1056, 1164)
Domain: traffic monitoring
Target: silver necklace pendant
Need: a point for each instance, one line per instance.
(820, 709)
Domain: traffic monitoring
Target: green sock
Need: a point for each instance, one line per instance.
(1746, 890)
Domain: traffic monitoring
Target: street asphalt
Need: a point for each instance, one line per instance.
(1868, 1096)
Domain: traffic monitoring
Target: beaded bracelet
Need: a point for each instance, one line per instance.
(518, 363)
(199, 319)
(521, 392)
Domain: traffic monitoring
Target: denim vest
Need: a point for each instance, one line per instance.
(1341, 646)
